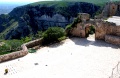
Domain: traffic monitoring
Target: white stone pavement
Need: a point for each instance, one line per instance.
(75, 58)
(114, 19)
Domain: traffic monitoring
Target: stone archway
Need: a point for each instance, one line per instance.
(89, 29)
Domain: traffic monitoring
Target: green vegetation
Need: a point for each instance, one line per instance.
(38, 35)
(63, 2)
(50, 3)
(53, 34)
(12, 25)
(10, 46)
(26, 39)
(70, 26)
(98, 2)
(92, 30)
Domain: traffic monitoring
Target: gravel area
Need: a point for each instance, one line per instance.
(72, 58)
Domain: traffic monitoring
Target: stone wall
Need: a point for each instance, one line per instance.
(84, 16)
(111, 9)
(14, 55)
(33, 43)
(102, 28)
(112, 39)
(107, 31)
(106, 28)
(21, 53)
(78, 31)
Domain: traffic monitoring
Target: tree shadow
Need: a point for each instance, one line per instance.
(100, 43)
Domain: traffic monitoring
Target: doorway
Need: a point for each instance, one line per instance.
(90, 32)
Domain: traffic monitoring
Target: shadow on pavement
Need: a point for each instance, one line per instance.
(99, 43)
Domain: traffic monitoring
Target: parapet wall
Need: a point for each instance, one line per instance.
(14, 55)
(21, 53)
(106, 28)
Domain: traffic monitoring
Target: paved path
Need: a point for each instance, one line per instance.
(75, 58)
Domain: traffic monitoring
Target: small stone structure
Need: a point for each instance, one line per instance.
(21, 53)
(104, 30)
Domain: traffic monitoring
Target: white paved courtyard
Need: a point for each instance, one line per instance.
(75, 58)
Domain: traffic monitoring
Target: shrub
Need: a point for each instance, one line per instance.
(62, 38)
(10, 46)
(38, 35)
(68, 28)
(92, 30)
(26, 39)
(53, 34)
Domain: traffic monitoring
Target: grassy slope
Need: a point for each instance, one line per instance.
(62, 3)
(92, 1)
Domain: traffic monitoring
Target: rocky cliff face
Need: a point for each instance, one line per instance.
(31, 18)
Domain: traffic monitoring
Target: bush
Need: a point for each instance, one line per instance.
(38, 35)
(68, 29)
(53, 34)
(62, 38)
(92, 30)
(26, 39)
(10, 46)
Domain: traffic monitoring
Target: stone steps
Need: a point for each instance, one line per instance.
(112, 39)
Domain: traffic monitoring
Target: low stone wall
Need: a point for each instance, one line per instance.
(34, 43)
(21, 53)
(14, 55)
(112, 39)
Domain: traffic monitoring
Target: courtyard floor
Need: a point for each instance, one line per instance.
(72, 58)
